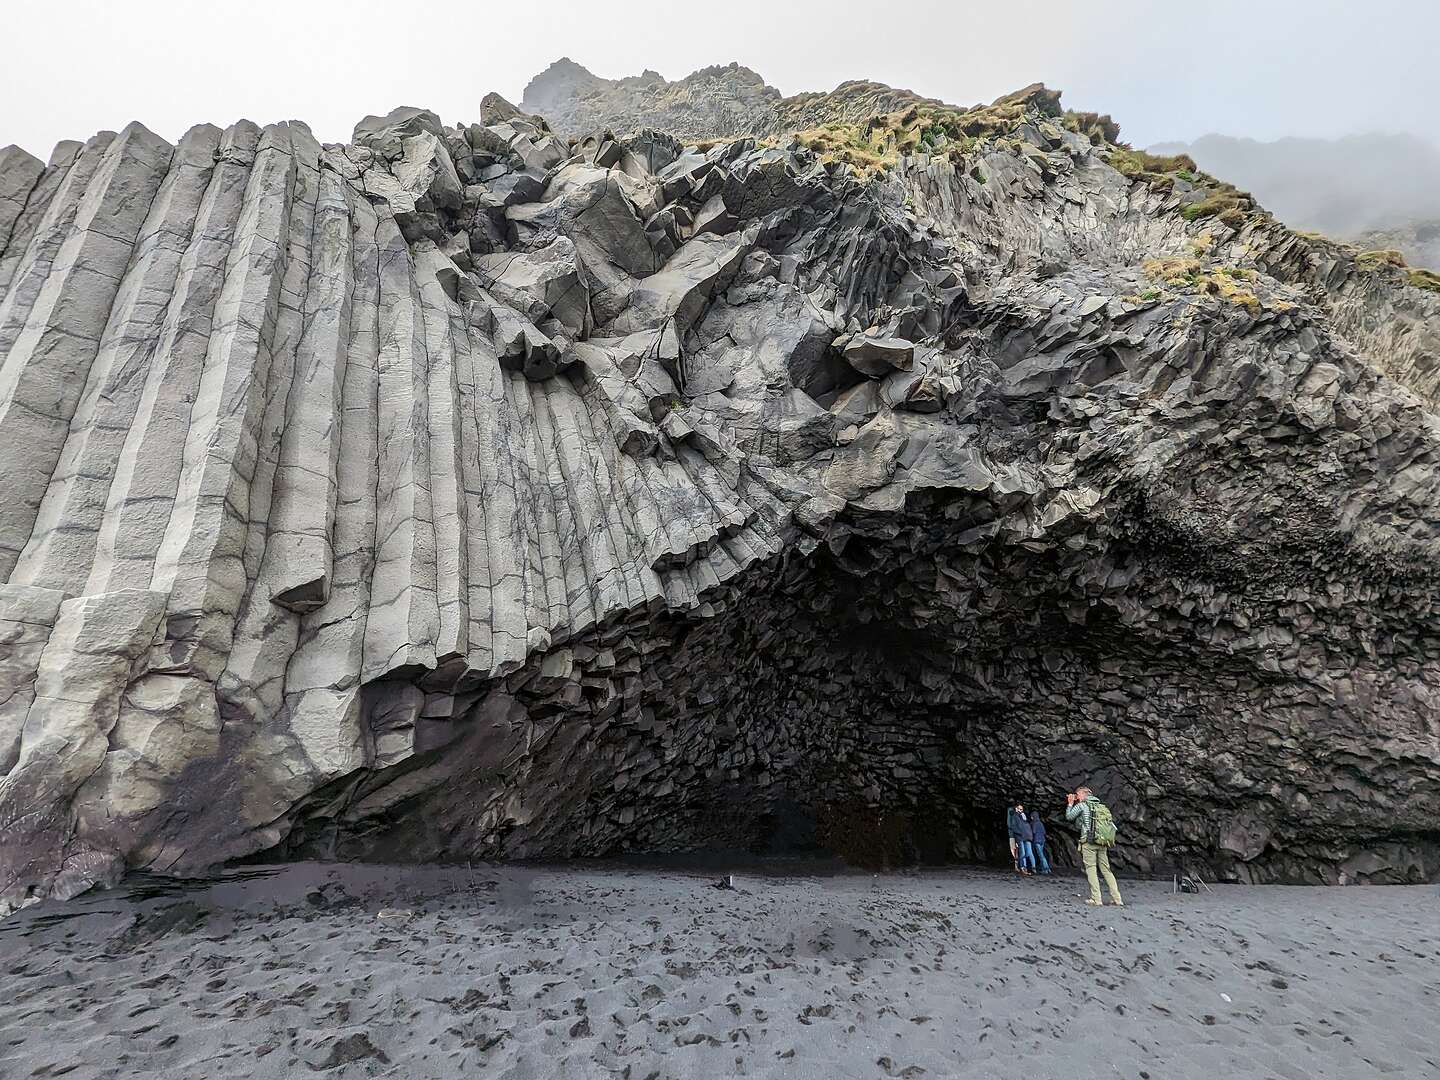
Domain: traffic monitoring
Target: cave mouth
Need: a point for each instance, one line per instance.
(827, 704)
(883, 698)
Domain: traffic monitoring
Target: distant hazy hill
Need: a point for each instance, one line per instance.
(1340, 187)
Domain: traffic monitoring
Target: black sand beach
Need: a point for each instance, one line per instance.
(510, 972)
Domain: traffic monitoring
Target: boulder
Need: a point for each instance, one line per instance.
(876, 356)
(541, 284)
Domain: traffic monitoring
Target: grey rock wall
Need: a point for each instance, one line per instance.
(469, 492)
(724, 101)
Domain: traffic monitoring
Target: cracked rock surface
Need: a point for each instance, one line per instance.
(470, 492)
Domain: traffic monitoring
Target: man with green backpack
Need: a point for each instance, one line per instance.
(1097, 837)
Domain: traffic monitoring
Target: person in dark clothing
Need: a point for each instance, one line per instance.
(1037, 841)
(1021, 839)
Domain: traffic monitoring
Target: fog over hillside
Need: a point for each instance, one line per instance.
(1342, 187)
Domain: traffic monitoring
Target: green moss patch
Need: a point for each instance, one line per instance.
(1425, 279)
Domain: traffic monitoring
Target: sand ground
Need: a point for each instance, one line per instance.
(651, 973)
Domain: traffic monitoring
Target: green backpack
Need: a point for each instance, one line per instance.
(1102, 824)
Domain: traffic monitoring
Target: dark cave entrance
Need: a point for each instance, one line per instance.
(883, 697)
(827, 704)
(911, 748)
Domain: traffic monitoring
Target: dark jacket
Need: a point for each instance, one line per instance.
(1018, 826)
(1037, 829)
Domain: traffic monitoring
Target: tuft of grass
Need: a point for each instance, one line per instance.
(1374, 260)
(1100, 130)
(1174, 269)
(1228, 289)
(1218, 204)
(1144, 297)
(878, 143)
(1221, 201)
(1238, 273)
(1233, 284)
(1138, 165)
(1389, 259)
(846, 143)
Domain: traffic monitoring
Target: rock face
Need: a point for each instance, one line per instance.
(722, 102)
(470, 492)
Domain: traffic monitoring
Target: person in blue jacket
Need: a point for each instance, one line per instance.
(1021, 838)
(1037, 841)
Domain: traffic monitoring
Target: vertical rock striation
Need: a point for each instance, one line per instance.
(471, 492)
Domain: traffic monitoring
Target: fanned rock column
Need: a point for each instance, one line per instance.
(474, 492)
(66, 527)
(49, 356)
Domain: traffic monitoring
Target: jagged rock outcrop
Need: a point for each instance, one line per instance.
(725, 101)
(471, 492)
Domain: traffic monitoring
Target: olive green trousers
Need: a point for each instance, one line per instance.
(1096, 860)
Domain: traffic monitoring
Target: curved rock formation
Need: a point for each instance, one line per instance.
(465, 492)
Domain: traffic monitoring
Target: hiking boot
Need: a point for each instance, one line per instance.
(1093, 903)
(1117, 903)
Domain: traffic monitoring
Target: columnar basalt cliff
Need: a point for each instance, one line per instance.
(475, 492)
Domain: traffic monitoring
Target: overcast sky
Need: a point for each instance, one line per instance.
(1165, 69)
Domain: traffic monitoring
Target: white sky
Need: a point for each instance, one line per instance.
(1166, 69)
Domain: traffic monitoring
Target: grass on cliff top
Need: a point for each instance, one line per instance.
(1152, 168)
(1222, 201)
(877, 144)
(880, 142)
(1226, 204)
(1425, 279)
(1385, 258)
(1098, 128)
(1374, 260)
